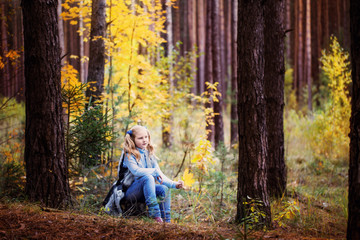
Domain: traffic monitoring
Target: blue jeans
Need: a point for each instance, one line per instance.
(144, 189)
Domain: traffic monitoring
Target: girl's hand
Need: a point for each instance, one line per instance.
(180, 184)
(159, 178)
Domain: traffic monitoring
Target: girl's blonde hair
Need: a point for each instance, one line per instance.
(129, 144)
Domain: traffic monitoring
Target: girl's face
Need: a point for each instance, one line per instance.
(142, 139)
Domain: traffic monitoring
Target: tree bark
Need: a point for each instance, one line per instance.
(61, 31)
(209, 65)
(315, 53)
(252, 171)
(200, 80)
(216, 58)
(167, 120)
(274, 95)
(299, 70)
(97, 51)
(5, 71)
(353, 228)
(307, 58)
(46, 167)
(234, 87)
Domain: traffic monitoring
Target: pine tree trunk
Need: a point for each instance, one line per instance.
(167, 120)
(5, 71)
(314, 46)
(217, 75)
(325, 24)
(234, 87)
(274, 95)
(252, 171)
(46, 167)
(201, 45)
(353, 228)
(307, 58)
(61, 31)
(300, 50)
(209, 65)
(97, 51)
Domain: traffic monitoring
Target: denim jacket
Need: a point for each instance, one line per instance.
(146, 166)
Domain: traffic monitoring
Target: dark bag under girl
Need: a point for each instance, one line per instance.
(112, 200)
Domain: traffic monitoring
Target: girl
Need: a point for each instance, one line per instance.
(140, 160)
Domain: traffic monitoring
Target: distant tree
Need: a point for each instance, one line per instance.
(46, 167)
(209, 63)
(217, 74)
(234, 87)
(167, 120)
(274, 94)
(353, 228)
(252, 171)
(97, 50)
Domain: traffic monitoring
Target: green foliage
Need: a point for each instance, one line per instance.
(12, 124)
(253, 219)
(88, 132)
(90, 136)
(11, 179)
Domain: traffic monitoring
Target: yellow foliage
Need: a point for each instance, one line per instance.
(203, 155)
(69, 82)
(2, 65)
(188, 178)
(330, 129)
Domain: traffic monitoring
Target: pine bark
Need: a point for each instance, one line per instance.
(307, 57)
(299, 70)
(353, 228)
(46, 167)
(252, 171)
(234, 87)
(167, 120)
(315, 53)
(209, 64)
(4, 74)
(201, 45)
(97, 51)
(274, 95)
(216, 58)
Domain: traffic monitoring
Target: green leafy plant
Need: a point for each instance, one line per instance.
(252, 220)
(91, 136)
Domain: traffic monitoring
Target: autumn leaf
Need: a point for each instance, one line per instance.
(188, 178)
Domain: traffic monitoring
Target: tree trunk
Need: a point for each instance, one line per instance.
(353, 228)
(200, 80)
(307, 58)
(61, 31)
(209, 65)
(97, 51)
(274, 95)
(288, 28)
(5, 71)
(315, 53)
(81, 44)
(325, 24)
(299, 73)
(217, 76)
(252, 171)
(46, 167)
(234, 87)
(167, 120)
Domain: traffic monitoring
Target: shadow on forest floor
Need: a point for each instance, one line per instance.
(21, 221)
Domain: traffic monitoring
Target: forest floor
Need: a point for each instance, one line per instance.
(23, 221)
